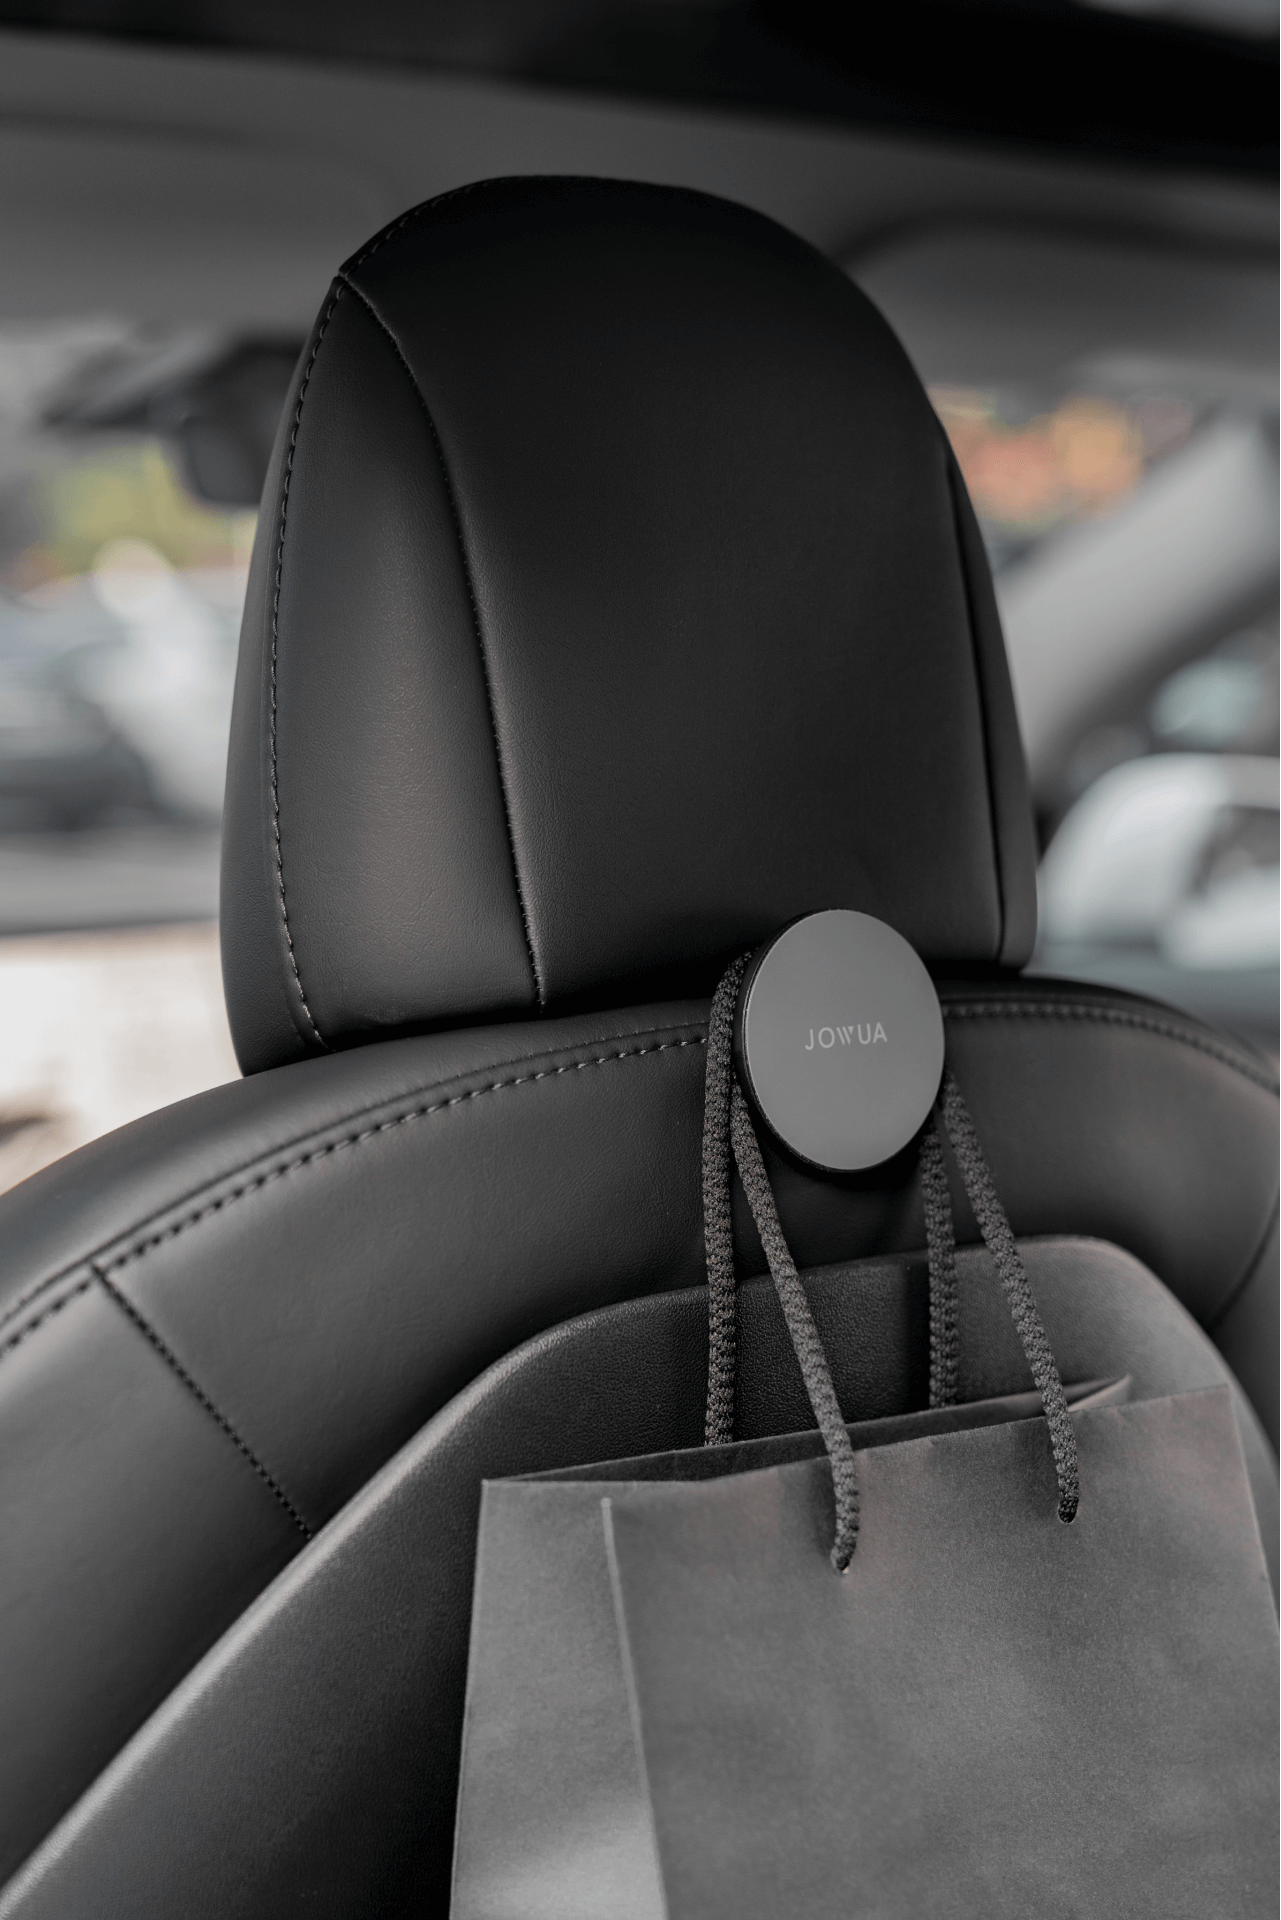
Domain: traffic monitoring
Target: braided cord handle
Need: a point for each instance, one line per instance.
(730, 1138)
(718, 1215)
(800, 1325)
(728, 1130)
(998, 1237)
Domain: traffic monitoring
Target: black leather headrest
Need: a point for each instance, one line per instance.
(616, 598)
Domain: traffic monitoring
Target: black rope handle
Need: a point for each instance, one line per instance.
(940, 1241)
(994, 1225)
(718, 1231)
(727, 1128)
(800, 1325)
(718, 1214)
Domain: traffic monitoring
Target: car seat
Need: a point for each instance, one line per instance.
(616, 599)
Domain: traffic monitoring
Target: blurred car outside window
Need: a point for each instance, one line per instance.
(120, 603)
(1133, 538)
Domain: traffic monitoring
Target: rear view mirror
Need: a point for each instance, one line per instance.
(217, 405)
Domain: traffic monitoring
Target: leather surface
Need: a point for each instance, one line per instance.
(308, 1766)
(133, 1530)
(309, 1263)
(616, 599)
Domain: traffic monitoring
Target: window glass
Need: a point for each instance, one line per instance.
(1036, 464)
(1133, 538)
(120, 603)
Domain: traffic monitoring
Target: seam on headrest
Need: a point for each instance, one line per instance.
(951, 474)
(1108, 1016)
(481, 649)
(278, 856)
(424, 206)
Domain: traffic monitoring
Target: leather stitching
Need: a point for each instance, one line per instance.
(952, 478)
(25, 1300)
(172, 1361)
(286, 479)
(1109, 1016)
(477, 629)
(17, 1339)
(424, 206)
(996, 1009)
(372, 1133)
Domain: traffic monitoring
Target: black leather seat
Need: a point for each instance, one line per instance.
(616, 599)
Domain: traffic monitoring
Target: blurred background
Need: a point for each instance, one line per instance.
(1066, 211)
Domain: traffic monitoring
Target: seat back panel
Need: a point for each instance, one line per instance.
(309, 1765)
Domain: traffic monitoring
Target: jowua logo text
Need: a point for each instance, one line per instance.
(859, 1035)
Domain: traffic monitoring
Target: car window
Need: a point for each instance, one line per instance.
(120, 603)
(1132, 534)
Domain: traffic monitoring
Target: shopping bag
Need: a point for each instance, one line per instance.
(1011, 1659)
(677, 1708)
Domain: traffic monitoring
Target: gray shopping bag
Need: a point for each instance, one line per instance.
(967, 1662)
(553, 1815)
(676, 1707)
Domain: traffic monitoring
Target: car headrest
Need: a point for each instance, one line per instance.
(616, 599)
